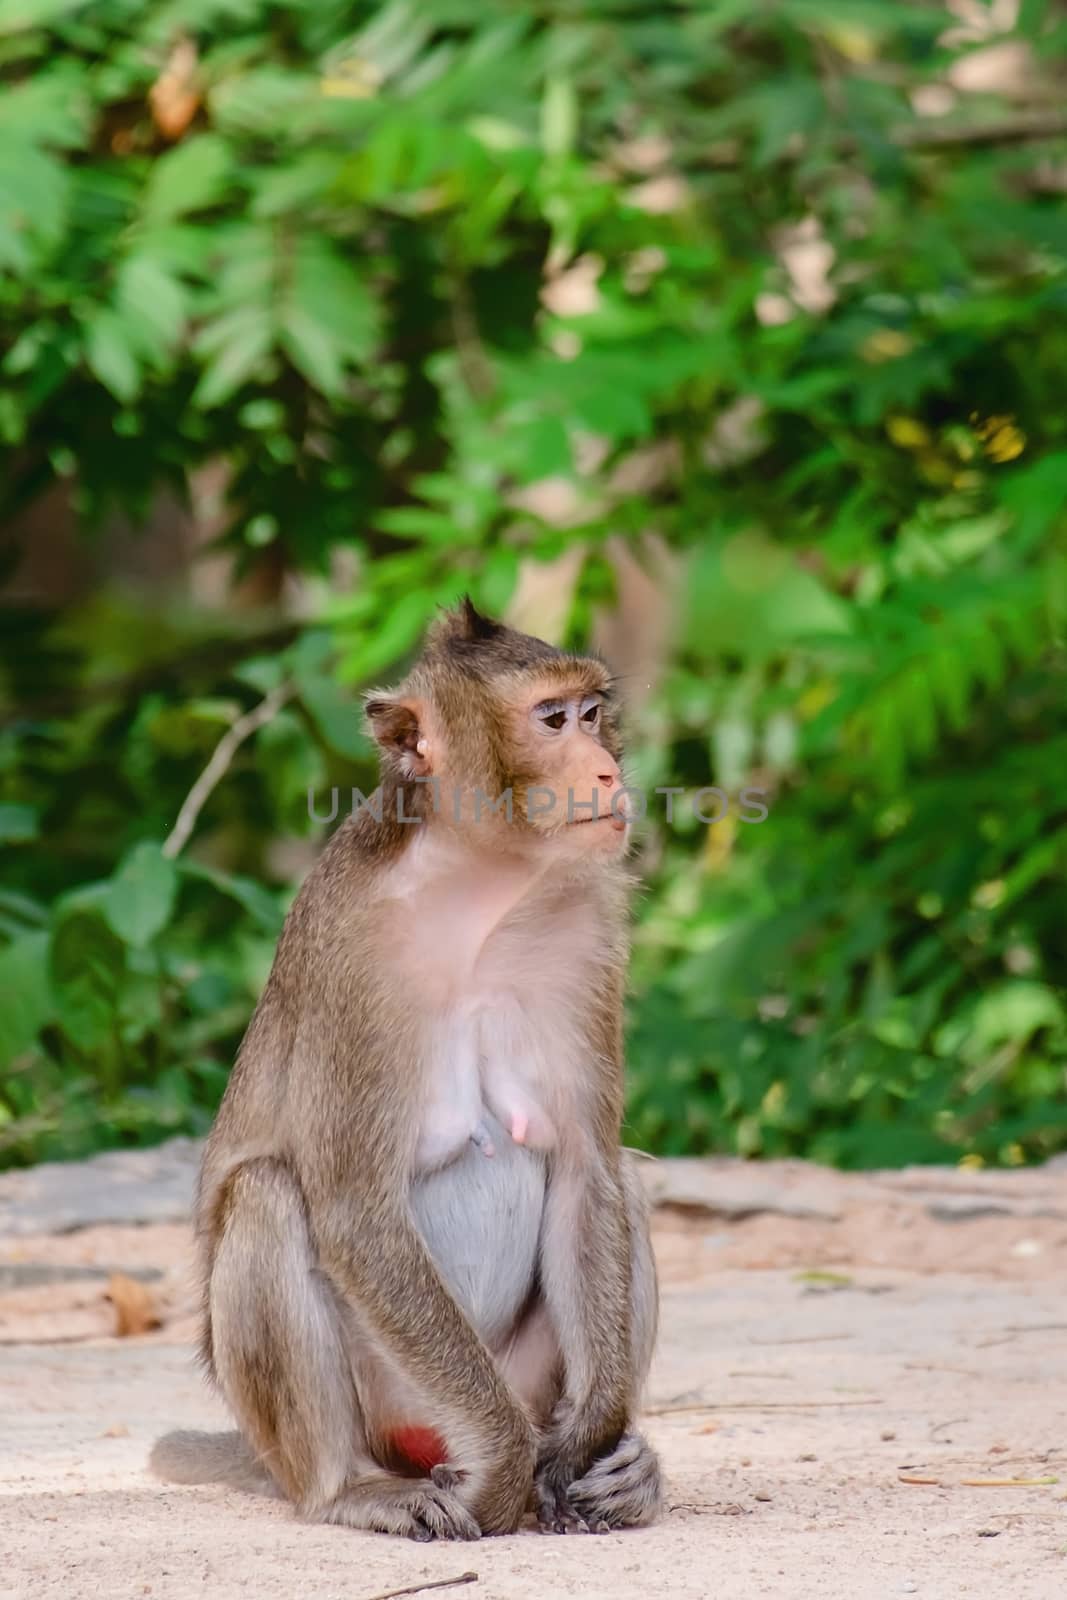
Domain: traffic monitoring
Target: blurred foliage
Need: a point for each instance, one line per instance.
(783, 285)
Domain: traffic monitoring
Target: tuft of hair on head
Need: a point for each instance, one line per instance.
(465, 624)
(475, 625)
(476, 643)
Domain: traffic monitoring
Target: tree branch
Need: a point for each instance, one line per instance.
(221, 757)
(1009, 130)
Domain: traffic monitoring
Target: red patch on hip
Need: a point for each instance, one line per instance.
(421, 1448)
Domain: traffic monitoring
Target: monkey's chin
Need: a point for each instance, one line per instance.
(598, 836)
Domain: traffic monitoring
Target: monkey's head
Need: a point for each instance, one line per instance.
(487, 713)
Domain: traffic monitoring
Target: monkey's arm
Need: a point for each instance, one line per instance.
(586, 1274)
(369, 1247)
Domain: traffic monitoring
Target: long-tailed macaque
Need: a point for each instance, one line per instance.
(415, 1338)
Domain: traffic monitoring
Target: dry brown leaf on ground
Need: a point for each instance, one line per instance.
(135, 1307)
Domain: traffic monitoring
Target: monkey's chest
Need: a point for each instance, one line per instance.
(484, 1064)
(478, 1189)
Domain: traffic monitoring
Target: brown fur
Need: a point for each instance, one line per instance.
(315, 1271)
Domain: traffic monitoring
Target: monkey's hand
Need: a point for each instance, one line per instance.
(568, 1452)
(622, 1488)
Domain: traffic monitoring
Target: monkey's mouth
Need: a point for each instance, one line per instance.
(617, 822)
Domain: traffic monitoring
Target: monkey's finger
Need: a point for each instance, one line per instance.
(555, 1514)
(547, 1510)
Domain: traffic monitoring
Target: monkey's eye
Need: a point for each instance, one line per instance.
(551, 715)
(589, 713)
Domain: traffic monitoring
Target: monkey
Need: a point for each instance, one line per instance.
(414, 1339)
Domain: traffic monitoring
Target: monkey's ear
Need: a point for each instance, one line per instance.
(397, 725)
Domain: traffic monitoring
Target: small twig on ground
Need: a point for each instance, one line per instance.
(938, 1426)
(758, 1405)
(420, 1588)
(938, 1366)
(221, 757)
(1007, 1483)
(809, 1338)
(979, 1483)
(739, 1372)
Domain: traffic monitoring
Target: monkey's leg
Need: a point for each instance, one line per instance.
(624, 1488)
(280, 1356)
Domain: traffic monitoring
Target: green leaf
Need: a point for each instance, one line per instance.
(140, 896)
(334, 709)
(498, 579)
(35, 192)
(373, 652)
(87, 964)
(191, 177)
(240, 341)
(311, 347)
(327, 319)
(257, 901)
(27, 1004)
(152, 304)
(1011, 1013)
(17, 823)
(22, 907)
(337, 716)
(559, 116)
(18, 15)
(110, 355)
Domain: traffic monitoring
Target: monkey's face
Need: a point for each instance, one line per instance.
(515, 741)
(565, 769)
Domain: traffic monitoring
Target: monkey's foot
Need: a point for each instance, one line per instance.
(415, 1508)
(623, 1489)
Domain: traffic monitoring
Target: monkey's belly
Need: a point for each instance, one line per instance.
(481, 1220)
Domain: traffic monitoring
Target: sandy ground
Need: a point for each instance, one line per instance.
(826, 1342)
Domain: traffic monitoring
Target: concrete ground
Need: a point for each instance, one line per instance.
(860, 1390)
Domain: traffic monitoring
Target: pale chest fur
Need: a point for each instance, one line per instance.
(508, 962)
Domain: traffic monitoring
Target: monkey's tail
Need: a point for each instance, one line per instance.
(188, 1456)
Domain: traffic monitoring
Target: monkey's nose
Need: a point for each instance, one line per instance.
(607, 779)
